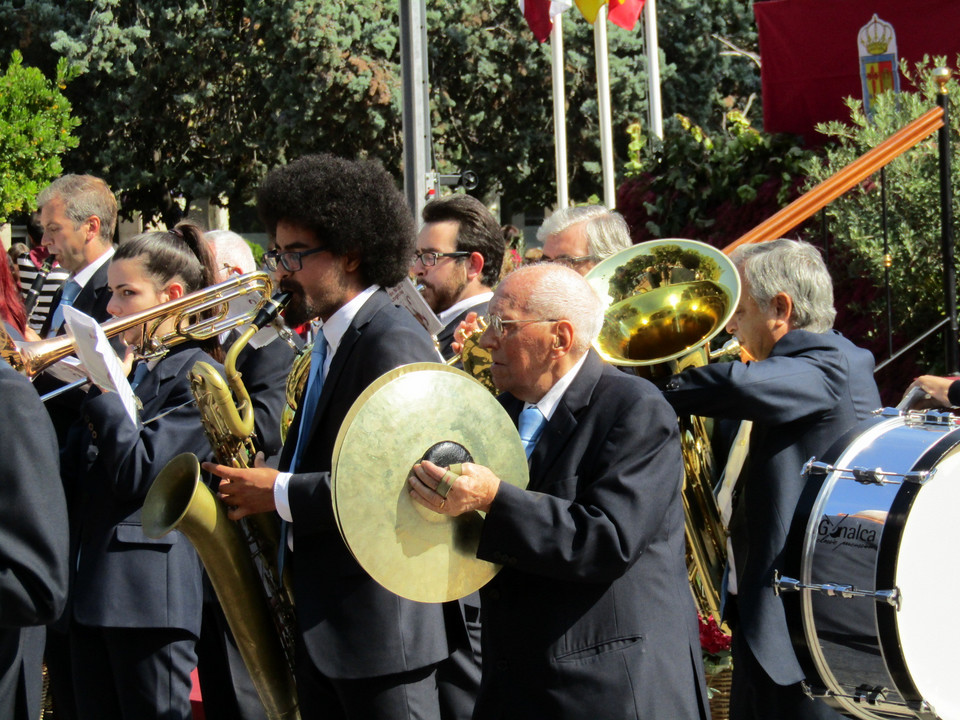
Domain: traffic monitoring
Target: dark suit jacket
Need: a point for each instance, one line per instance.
(124, 578)
(33, 543)
(351, 626)
(592, 615)
(445, 336)
(92, 300)
(812, 389)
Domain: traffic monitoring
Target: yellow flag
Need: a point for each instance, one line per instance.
(590, 8)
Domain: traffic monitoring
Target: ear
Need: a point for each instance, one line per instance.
(474, 265)
(782, 307)
(563, 339)
(351, 262)
(173, 291)
(93, 230)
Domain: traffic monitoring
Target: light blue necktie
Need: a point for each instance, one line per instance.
(71, 288)
(139, 373)
(530, 426)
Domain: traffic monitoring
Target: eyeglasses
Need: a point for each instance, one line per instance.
(570, 260)
(496, 323)
(429, 259)
(291, 261)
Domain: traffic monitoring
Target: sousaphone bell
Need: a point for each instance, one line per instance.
(664, 301)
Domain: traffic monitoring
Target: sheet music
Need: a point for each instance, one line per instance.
(69, 370)
(98, 357)
(406, 295)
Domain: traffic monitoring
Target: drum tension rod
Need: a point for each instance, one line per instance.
(787, 584)
(867, 476)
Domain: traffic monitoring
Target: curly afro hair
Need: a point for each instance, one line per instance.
(352, 206)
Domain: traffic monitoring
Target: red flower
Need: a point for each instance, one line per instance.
(713, 640)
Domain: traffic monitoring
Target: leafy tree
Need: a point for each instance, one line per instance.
(36, 128)
(201, 97)
(709, 186)
(913, 202)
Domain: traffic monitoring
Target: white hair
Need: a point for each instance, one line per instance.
(556, 292)
(792, 267)
(606, 230)
(231, 250)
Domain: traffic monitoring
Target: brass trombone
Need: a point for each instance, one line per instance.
(31, 358)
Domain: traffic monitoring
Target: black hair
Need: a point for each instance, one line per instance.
(352, 206)
(478, 232)
(182, 254)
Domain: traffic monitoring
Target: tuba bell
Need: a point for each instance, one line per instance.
(664, 301)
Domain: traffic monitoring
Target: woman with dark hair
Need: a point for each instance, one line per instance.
(135, 602)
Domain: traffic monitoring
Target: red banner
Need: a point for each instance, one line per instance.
(811, 61)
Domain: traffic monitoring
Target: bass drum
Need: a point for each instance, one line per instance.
(874, 622)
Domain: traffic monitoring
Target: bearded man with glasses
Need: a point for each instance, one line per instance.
(343, 232)
(458, 259)
(591, 615)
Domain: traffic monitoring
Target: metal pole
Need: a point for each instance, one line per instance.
(603, 99)
(887, 258)
(416, 105)
(942, 76)
(559, 111)
(652, 44)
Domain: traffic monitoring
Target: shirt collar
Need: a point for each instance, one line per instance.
(83, 276)
(548, 403)
(336, 325)
(451, 312)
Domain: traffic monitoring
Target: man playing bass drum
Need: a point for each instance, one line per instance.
(806, 388)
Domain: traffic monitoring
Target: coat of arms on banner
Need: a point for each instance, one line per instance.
(879, 72)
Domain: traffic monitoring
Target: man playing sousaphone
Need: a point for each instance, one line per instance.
(806, 388)
(591, 616)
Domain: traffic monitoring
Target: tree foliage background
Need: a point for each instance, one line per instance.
(36, 128)
(202, 97)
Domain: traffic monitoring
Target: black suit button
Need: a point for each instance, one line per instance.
(90, 427)
(492, 595)
(502, 664)
(673, 384)
(94, 434)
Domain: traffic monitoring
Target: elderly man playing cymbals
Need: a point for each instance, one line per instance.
(592, 614)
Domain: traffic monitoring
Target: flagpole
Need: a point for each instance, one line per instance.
(652, 44)
(559, 111)
(603, 99)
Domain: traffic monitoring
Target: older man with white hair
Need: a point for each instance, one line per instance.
(592, 614)
(581, 237)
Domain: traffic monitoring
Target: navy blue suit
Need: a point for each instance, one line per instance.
(592, 615)
(445, 336)
(33, 543)
(812, 389)
(352, 628)
(123, 579)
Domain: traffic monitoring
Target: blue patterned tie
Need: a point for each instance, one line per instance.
(311, 397)
(531, 425)
(71, 288)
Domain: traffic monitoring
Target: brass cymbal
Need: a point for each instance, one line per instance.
(412, 551)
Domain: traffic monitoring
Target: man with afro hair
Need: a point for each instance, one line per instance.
(343, 233)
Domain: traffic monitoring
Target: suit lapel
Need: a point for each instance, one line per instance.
(342, 356)
(563, 423)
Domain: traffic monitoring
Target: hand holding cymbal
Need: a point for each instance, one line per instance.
(453, 491)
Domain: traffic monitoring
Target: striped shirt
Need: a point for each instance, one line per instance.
(57, 277)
